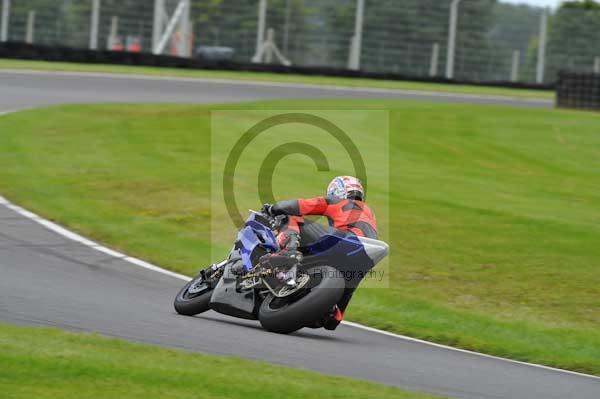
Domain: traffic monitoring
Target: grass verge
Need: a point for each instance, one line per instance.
(49, 363)
(494, 210)
(275, 77)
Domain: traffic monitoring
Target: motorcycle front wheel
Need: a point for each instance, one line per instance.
(194, 297)
(307, 306)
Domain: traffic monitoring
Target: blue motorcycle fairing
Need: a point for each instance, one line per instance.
(255, 234)
(344, 251)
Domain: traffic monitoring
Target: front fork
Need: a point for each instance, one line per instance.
(208, 273)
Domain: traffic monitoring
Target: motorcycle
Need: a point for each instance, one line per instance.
(242, 286)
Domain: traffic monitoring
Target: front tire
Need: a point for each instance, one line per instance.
(191, 304)
(325, 290)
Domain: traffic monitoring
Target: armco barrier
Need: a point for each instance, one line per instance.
(18, 50)
(578, 90)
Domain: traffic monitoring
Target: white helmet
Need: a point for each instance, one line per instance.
(343, 187)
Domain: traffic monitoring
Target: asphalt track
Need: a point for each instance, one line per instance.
(49, 279)
(19, 89)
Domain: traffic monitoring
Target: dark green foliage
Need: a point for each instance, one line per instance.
(65, 22)
(398, 35)
(574, 37)
(581, 5)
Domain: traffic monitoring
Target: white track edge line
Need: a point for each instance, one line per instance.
(417, 340)
(138, 262)
(359, 89)
(86, 242)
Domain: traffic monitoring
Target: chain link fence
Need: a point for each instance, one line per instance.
(485, 40)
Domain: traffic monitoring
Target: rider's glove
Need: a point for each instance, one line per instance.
(267, 209)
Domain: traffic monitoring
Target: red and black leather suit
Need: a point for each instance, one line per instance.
(348, 215)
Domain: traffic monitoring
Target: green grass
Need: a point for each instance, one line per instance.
(494, 224)
(48, 363)
(275, 77)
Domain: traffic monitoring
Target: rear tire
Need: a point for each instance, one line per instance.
(192, 304)
(277, 316)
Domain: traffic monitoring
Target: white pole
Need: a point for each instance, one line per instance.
(157, 27)
(435, 55)
(114, 32)
(184, 27)
(269, 43)
(541, 61)
(452, 39)
(286, 27)
(94, 24)
(514, 70)
(4, 21)
(170, 29)
(356, 50)
(29, 36)
(260, 31)
(597, 65)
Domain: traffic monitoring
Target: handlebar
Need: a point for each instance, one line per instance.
(274, 221)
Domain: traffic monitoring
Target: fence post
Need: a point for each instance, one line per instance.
(4, 21)
(184, 31)
(452, 39)
(597, 65)
(157, 27)
(433, 65)
(541, 56)
(286, 27)
(268, 53)
(514, 70)
(94, 24)
(356, 48)
(30, 35)
(260, 30)
(114, 32)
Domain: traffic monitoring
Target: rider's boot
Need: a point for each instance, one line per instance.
(287, 258)
(336, 315)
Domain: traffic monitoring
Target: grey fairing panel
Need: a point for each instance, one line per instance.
(227, 300)
(376, 249)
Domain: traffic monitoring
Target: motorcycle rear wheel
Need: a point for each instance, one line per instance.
(191, 304)
(286, 315)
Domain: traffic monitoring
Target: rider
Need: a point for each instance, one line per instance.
(345, 210)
